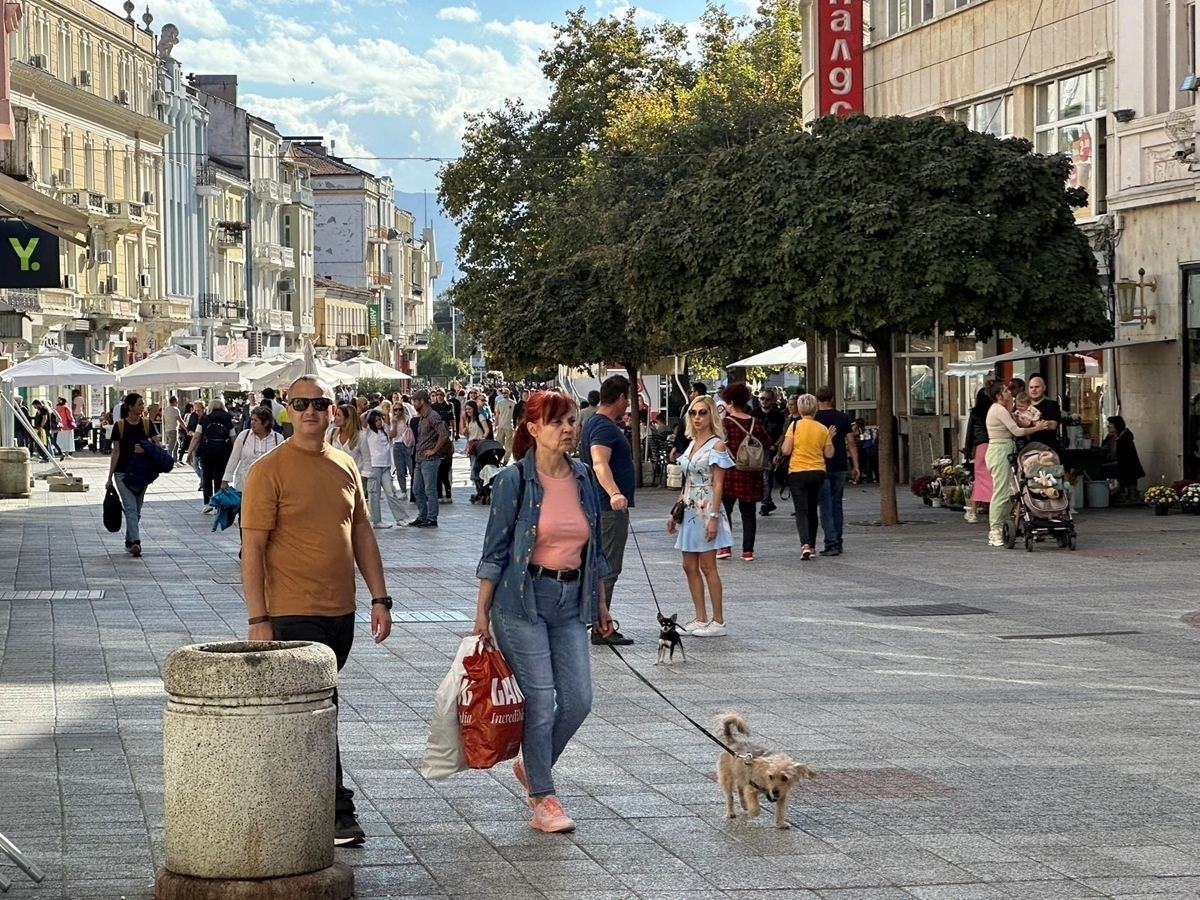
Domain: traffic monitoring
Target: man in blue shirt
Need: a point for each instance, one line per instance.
(604, 447)
(845, 456)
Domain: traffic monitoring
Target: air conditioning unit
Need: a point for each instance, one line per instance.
(112, 284)
(144, 280)
(287, 286)
(104, 257)
(123, 97)
(148, 198)
(85, 78)
(159, 97)
(69, 282)
(65, 178)
(39, 61)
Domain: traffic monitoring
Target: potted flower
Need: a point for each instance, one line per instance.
(1189, 499)
(921, 488)
(1162, 497)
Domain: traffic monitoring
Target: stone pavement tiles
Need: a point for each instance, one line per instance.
(954, 763)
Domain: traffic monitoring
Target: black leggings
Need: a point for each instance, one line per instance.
(749, 519)
(806, 497)
(443, 479)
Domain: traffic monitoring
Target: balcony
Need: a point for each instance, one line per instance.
(274, 255)
(206, 181)
(268, 190)
(417, 290)
(380, 279)
(213, 307)
(377, 235)
(109, 308)
(302, 195)
(125, 215)
(89, 202)
(166, 310)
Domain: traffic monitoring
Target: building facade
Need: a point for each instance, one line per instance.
(224, 317)
(89, 133)
(340, 316)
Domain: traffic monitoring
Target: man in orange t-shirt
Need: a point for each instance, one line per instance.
(304, 528)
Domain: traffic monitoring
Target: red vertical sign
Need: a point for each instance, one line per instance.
(839, 57)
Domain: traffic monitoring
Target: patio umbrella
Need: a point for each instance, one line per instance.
(287, 372)
(176, 367)
(793, 353)
(364, 367)
(55, 367)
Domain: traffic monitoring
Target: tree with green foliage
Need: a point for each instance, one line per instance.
(875, 227)
(437, 359)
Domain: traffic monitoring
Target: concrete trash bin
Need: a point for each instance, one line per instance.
(16, 471)
(249, 743)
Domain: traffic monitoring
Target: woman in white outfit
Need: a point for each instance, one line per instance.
(1002, 429)
(260, 438)
(379, 444)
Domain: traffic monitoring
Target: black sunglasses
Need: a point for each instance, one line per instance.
(300, 404)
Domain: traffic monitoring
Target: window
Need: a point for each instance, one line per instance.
(900, 15)
(124, 78)
(1190, 28)
(1069, 118)
(287, 230)
(85, 62)
(104, 73)
(992, 116)
(127, 175)
(46, 163)
(62, 61)
(110, 172)
(89, 163)
(68, 160)
(41, 34)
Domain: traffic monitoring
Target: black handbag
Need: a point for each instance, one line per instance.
(112, 509)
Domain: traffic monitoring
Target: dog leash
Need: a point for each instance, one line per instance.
(645, 569)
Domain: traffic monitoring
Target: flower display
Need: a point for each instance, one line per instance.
(1160, 495)
(1189, 499)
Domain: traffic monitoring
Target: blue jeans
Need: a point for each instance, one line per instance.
(551, 660)
(402, 457)
(131, 504)
(425, 488)
(831, 508)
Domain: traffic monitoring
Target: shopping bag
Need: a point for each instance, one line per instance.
(443, 749)
(112, 509)
(491, 709)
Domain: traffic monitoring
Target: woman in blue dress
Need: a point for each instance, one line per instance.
(705, 527)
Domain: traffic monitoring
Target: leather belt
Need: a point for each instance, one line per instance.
(556, 574)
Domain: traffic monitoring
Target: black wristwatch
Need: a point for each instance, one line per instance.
(385, 600)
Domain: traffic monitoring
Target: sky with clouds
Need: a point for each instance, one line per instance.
(383, 78)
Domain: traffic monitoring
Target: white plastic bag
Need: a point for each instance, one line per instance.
(443, 751)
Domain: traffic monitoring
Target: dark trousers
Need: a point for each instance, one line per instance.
(212, 470)
(443, 479)
(749, 519)
(806, 498)
(336, 633)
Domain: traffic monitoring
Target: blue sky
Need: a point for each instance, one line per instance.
(383, 78)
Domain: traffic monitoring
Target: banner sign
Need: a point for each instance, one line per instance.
(372, 320)
(839, 57)
(28, 256)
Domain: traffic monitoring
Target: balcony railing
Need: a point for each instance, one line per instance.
(275, 255)
(377, 234)
(108, 307)
(84, 201)
(206, 181)
(417, 290)
(302, 195)
(172, 310)
(380, 279)
(126, 212)
(229, 238)
(213, 307)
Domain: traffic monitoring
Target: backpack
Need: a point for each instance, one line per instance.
(52, 422)
(216, 439)
(121, 427)
(751, 454)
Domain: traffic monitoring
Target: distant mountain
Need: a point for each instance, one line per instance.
(425, 208)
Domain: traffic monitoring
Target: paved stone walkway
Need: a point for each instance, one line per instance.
(962, 757)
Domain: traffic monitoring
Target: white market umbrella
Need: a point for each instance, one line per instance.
(793, 353)
(364, 367)
(57, 367)
(287, 372)
(176, 367)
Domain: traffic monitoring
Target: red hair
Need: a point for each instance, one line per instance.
(540, 407)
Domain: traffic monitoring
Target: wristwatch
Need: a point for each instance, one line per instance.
(385, 600)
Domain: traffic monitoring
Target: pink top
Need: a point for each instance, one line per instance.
(562, 529)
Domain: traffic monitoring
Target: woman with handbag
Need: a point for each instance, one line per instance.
(698, 517)
(540, 588)
(402, 439)
(749, 444)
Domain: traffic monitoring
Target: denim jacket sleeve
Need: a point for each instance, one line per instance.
(500, 534)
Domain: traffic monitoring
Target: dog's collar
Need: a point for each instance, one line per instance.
(762, 790)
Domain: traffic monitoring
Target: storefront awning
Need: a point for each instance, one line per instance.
(23, 202)
(988, 365)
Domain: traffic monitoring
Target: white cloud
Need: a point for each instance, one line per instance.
(521, 31)
(458, 14)
(295, 115)
(194, 17)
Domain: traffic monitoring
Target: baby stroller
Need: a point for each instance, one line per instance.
(489, 458)
(1041, 506)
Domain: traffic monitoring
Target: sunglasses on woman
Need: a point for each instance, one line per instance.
(697, 412)
(300, 404)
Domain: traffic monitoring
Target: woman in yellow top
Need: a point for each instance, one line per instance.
(809, 443)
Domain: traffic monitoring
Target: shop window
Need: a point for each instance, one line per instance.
(922, 386)
(858, 384)
(1085, 395)
(1069, 118)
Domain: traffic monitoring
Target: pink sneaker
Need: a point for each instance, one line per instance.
(519, 771)
(548, 816)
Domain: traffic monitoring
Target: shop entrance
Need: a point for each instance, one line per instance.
(1191, 372)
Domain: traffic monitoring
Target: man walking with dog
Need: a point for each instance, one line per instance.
(603, 447)
(305, 527)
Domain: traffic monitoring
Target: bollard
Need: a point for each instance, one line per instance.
(248, 773)
(16, 473)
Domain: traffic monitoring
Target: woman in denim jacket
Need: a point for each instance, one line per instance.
(539, 590)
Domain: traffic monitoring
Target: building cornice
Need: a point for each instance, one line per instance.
(51, 91)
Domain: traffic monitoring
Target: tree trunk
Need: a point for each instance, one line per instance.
(812, 371)
(635, 422)
(881, 340)
(831, 367)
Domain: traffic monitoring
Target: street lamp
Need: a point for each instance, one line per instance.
(1131, 299)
